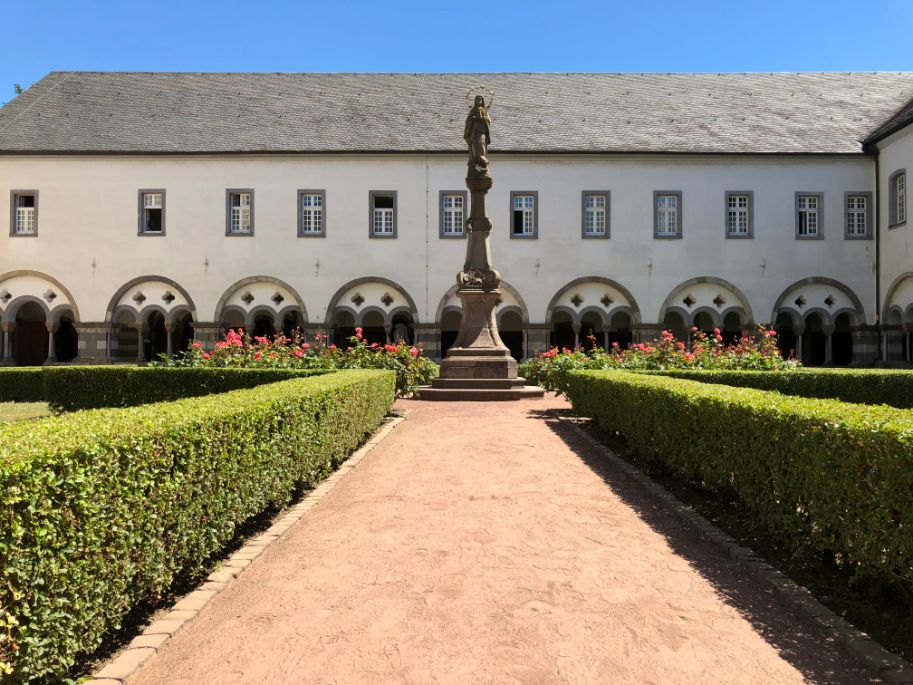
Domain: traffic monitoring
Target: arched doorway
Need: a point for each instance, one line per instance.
(66, 340)
(450, 328)
(704, 322)
(402, 329)
(620, 330)
(842, 341)
(732, 328)
(343, 328)
(786, 336)
(181, 333)
(30, 335)
(291, 325)
(373, 331)
(562, 334)
(510, 328)
(591, 333)
(675, 322)
(155, 337)
(232, 319)
(813, 342)
(263, 326)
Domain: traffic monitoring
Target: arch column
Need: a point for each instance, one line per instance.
(52, 328)
(169, 344)
(828, 345)
(576, 329)
(799, 332)
(140, 357)
(8, 328)
(388, 329)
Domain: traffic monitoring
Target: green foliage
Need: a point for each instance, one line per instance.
(705, 351)
(102, 509)
(72, 388)
(21, 384)
(861, 386)
(239, 350)
(827, 477)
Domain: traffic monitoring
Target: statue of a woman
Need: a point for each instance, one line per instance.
(478, 133)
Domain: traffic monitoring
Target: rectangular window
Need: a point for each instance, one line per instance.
(857, 214)
(24, 219)
(523, 222)
(383, 213)
(240, 217)
(311, 213)
(152, 212)
(739, 214)
(897, 205)
(453, 214)
(808, 215)
(667, 214)
(596, 214)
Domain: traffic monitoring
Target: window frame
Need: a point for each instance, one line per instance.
(608, 215)
(893, 221)
(228, 194)
(13, 224)
(749, 210)
(382, 193)
(868, 214)
(140, 198)
(819, 235)
(300, 213)
(535, 233)
(441, 195)
(679, 223)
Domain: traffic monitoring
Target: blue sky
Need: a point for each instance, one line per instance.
(494, 35)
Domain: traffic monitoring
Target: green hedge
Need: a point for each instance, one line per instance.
(825, 476)
(71, 388)
(21, 384)
(102, 509)
(861, 386)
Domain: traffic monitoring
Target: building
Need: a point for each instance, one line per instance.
(146, 209)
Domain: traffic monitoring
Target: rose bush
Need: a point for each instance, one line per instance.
(240, 350)
(706, 351)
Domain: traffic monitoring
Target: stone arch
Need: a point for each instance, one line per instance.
(507, 287)
(631, 303)
(704, 286)
(115, 301)
(12, 309)
(905, 279)
(50, 280)
(367, 280)
(372, 309)
(815, 284)
(713, 313)
(251, 281)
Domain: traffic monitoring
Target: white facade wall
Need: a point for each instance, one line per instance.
(87, 227)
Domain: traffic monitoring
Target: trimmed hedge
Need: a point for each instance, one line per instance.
(71, 388)
(827, 477)
(22, 384)
(860, 386)
(101, 510)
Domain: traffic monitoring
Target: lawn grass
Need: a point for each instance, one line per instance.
(21, 411)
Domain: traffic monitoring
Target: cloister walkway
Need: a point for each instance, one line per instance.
(488, 543)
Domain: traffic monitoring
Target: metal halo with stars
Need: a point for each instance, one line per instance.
(477, 90)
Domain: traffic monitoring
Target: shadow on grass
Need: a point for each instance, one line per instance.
(797, 641)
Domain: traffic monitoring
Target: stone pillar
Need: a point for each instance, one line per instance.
(94, 343)
(52, 328)
(207, 333)
(865, 345)
(799, 331)
(140, 357)
(388, 329)
(169, 343)
(576, 328)
(606, 329)
(828, 345)
(8, 328)
(884, 346)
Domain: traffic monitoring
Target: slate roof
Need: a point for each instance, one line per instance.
(266, 112)
(901, 118)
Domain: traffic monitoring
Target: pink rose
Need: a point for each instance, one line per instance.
(258, 354)
(197, 345)
(206, 355)
(299, 353)
(305, 346)
(373, 346)
(332, 347)
(719, 338)
(414, 351)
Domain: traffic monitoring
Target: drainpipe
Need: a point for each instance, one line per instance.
(875, 151)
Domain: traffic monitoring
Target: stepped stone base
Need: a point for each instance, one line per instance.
(479, 375)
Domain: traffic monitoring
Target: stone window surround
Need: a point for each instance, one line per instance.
(323, 213)
(608, 215)
(510, 224)
(382, 193)
(739, 236)
(139, 219)
(440, 204)
(820, 195)
(892, 198)
(237, 191)
(13, 195)
(868, 214)
(678, 228)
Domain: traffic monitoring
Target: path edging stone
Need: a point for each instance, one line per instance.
(185, 609)
(888, 666)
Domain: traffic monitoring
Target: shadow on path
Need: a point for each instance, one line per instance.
(797, 641)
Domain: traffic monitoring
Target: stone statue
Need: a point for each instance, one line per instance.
(478, 133)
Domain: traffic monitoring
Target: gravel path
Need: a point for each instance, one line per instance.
(461, 552)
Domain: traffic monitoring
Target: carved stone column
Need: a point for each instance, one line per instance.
(8, 328)
(140, 357)
(169, 343)
(799, 331)
(828, 345)
(52, 328)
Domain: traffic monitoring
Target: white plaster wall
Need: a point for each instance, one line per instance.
(895, 152)
(88, 215)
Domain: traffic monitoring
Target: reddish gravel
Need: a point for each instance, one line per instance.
(484, 543)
